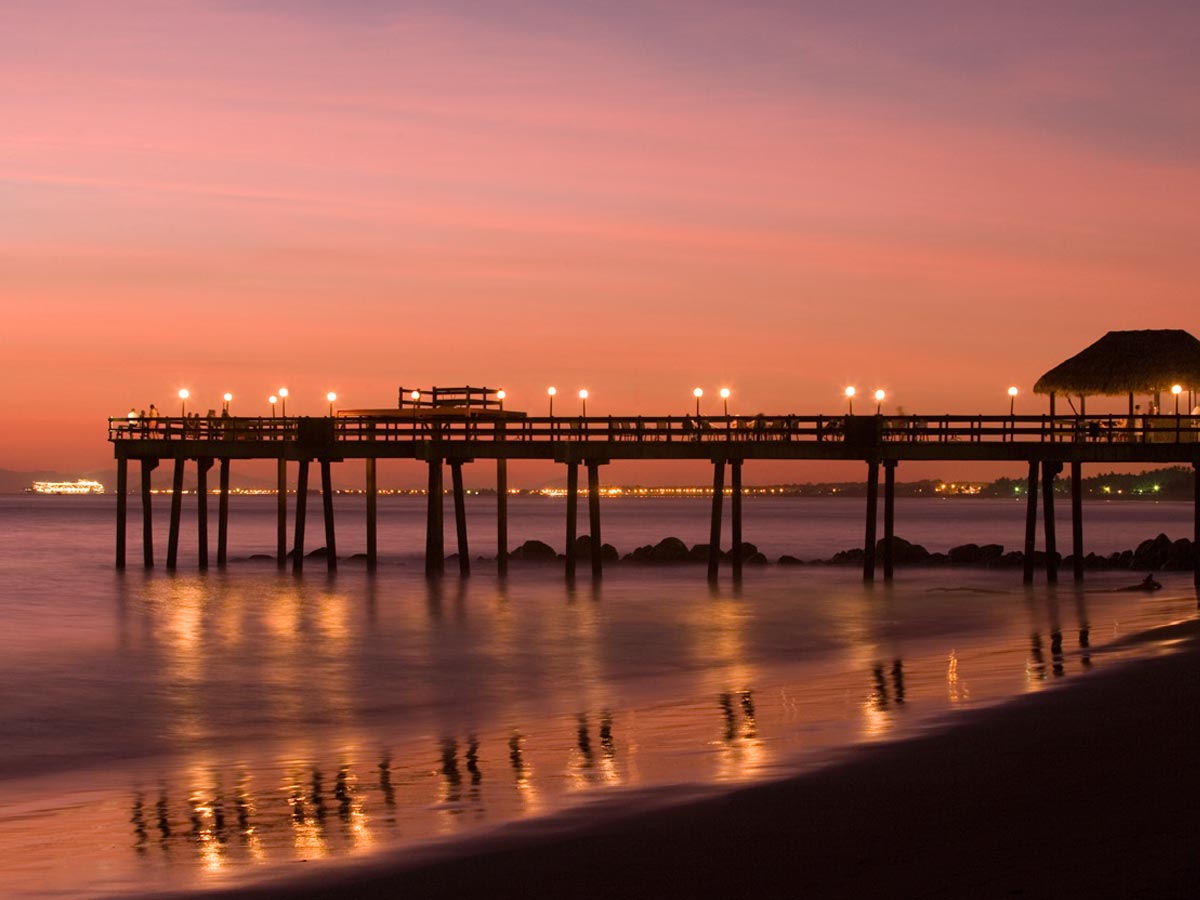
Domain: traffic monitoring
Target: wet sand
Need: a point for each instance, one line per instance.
(1089, 789)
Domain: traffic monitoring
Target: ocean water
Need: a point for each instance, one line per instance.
(197, 729)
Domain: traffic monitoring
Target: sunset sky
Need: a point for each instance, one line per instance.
(937, 198)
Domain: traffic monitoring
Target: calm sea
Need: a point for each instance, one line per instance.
(193, 730)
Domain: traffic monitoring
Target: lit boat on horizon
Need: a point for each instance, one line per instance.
(81, 486)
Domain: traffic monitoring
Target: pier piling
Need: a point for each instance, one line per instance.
(202, 466)
(327, 509)
(148, 466)
(714, 531)
(301, 515)
(122, 507)
(572, 516)
(872, 516)
(889, 517)
(735, 515)
(597, 543)
(1049, 471)
(176, 512)
(435, 540)
(1031, 492)
(501, 507)
(1077, 518)
(223, 515)
(281, 512)
(460, 517)
(372, 514)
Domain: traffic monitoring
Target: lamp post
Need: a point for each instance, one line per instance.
(272, 400)
(551, 391)
(583, 395)
(183, 396)
(331, 396)
(283, 392)
(500, 395)
(1177, 389)
(725, 400)
(850, 392)
(1012, 400)
(698, 393)
(879, 395)
(415, 397)
(228, 398)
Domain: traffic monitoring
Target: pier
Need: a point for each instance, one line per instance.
(458, 426)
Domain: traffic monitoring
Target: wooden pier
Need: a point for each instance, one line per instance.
(468, 425)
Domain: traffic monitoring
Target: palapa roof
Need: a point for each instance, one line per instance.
(1123, 362)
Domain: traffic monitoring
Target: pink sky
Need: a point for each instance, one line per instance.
(640, 199)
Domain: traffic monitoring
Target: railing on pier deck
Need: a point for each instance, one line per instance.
(1171, 429)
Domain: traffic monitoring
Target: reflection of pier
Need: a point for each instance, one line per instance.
(464, 425)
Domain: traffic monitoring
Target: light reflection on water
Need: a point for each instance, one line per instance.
(202, 727)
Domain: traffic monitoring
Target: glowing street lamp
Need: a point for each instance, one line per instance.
(725, 400)
(879, 395)
(850, 392)
(500, 395)
(583, 395)
(272, 400)
(698, 393)
(227, 397)
(283, 392)
(1012, 400)
(331, 396)
(1177, 389)
(183, 395)
(415, 397)
(551, 391)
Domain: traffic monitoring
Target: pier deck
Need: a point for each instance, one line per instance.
(1045, 443)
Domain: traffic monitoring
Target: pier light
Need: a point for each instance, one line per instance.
(500, 395)
(879, 396)
(227, 397)
(1012, 400)
(551, 391)
(331, 396)
(283, 393)
(272, 400)
(850, 392)
(583, 395)
(1177, 389)
(184, 393)
(725, 400)
(698, 393)
(414, 396)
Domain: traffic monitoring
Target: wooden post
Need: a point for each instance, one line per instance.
(460, 517)
(435, 547)
(1031, 492)
(889, 517)
(176, 512)
(714, 531)
(122, 507)
(735, 515)
(223, 515)
(872, 516)
(593, 467)
(501, 507)
(1077, 517)
(372, 515)
(1196, 523)
(148, 466)
(202, 467)
(301, 515)
(281, 513)
(1049, 470)
(572, 515)
(327, 504)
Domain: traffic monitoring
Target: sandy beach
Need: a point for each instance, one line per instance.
(1090, 789)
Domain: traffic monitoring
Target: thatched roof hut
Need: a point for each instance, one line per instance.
(1128, 362)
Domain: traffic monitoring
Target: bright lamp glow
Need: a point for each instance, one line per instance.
(1177, 389)
(850, 392)
(724, 393)
(415, 395)
(583, 394)
(272, 399)
(698, 393)
(1012, 392)
(184, 394)
(331, 396)
(879, 394)
(283, 392)
(227, 396)
(552, 391)
(500, 395)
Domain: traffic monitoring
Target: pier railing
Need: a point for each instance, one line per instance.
(668, 429)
